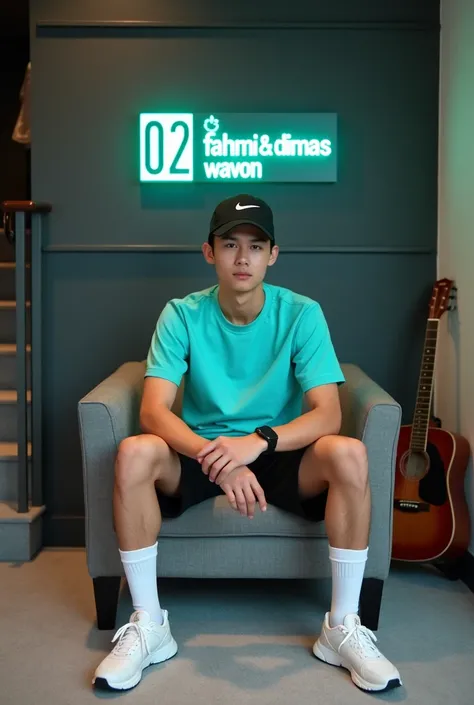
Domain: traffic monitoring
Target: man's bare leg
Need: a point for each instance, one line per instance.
(340, 464)
(143, 463)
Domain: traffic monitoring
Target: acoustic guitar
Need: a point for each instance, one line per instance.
(430, 515)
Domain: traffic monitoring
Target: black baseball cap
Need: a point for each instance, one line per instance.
(240, 210)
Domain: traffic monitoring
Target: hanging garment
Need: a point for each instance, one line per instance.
(22, 130)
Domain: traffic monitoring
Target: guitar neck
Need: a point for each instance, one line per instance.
(424, 397)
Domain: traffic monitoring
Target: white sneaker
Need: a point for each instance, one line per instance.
(352, 646)
(141, 642)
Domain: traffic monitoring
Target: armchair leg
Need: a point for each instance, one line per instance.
(106, 593)
(370, 601)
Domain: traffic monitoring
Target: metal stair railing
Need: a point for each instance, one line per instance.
(14, 218)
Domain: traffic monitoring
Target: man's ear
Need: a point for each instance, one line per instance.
(208, 253)
(274, 255)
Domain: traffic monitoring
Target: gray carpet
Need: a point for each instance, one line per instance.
(239, 641)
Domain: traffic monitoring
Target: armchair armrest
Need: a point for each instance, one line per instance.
(370, 414)
(106, 415)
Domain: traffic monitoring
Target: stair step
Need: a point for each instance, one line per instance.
(8, 366)
(9, 418)
(8, 283)
(10, 348)
(8, 511)
(7, 305)
(9, 471)
(10, 396)
(9, 451)
(7, 250)
(8, 312)
(21, 533)
(8, 415)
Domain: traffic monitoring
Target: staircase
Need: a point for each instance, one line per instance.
(20, 533)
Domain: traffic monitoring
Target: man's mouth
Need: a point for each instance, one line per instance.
(242, 275)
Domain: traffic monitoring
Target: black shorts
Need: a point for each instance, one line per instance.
(277, 474)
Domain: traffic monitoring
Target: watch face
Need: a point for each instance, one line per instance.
(269, 432)
(270, 436)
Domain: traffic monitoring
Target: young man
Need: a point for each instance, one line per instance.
(250, 351)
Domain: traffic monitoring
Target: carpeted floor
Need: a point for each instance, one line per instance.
(239, 641)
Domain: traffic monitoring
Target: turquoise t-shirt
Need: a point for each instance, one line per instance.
(238, 377)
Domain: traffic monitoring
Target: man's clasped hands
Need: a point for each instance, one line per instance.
(224, 460)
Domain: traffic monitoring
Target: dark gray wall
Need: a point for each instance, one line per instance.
(371, 236)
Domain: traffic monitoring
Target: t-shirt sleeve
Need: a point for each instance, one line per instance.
(314, 357)
(169, 349)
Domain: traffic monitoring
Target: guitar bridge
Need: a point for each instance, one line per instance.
(411, 506)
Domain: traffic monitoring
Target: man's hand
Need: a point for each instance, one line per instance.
(223, 455)
(242, 489)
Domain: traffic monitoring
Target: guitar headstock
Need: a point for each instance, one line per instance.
(443, 298)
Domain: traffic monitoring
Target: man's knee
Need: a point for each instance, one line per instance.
(346, 457)
(139, 458)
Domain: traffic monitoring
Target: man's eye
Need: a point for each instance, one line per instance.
(232, 244)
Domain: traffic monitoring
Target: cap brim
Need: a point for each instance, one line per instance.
(228, 226)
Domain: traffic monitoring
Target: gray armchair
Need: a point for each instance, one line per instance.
(211, 539)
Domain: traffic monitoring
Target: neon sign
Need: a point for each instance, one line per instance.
(264, 147)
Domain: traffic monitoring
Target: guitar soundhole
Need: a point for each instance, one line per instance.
(414, 465)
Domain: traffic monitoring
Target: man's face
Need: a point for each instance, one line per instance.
(241, 257)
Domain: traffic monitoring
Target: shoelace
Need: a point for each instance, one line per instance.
(128, 635)
(365, 639)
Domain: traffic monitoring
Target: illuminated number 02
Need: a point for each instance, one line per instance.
(174, 169)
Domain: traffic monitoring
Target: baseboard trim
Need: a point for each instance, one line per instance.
(64, 531)
(466, 569)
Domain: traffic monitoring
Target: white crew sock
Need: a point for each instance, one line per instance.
(347, 573)
(140, 571)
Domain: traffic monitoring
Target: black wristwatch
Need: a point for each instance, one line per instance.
(270, 436)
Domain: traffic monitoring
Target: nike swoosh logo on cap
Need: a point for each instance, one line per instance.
(238, 207)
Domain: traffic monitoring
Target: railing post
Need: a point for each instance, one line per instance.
(36, 362)
(19, 232)
(21, 363)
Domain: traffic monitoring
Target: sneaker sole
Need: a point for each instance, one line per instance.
(328, 656)
(166, 652)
